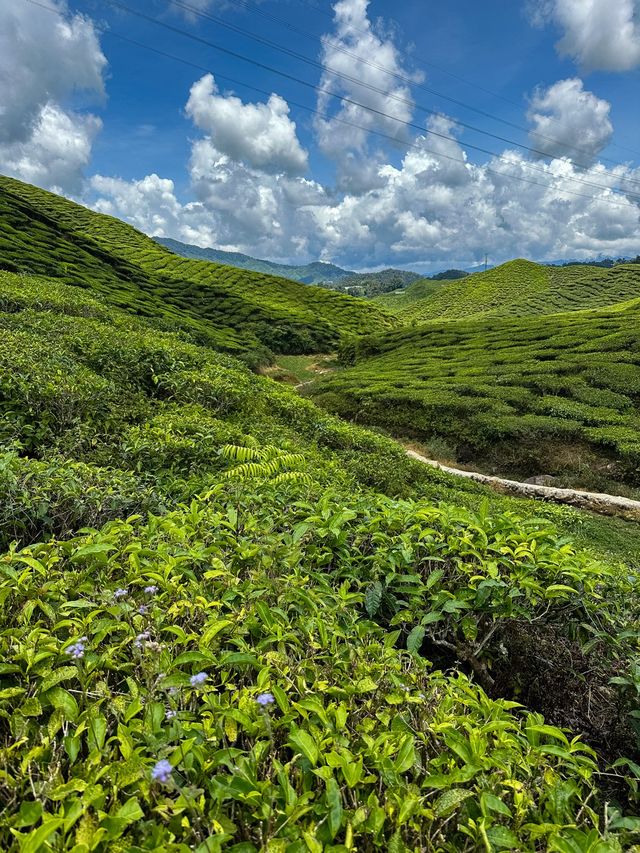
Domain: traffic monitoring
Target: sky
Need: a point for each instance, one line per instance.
(370, 133)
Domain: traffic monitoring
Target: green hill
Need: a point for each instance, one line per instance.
(317, 272)
(521, 288)
(414, 293)
(237, 311)
(553, 395)
(231, 621)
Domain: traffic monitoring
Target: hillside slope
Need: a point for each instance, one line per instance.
(231, 621)
(416, 292)
(313, 273)
(236, 310)
(522, 288)
(524, 396)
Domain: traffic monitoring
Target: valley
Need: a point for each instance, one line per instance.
(235, 617)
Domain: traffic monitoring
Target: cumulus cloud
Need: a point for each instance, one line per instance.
(428, 207)
(44, 59)
(598, 34)
(358, 50)
(262, 135)
(57, 151)
(569, 121)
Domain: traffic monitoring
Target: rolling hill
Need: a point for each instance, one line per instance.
(230, 619)
(237, 311)
(315, 273)
(554, 394)
(520, 288)
(319, 272)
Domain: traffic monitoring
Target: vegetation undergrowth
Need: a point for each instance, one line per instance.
(233, 622)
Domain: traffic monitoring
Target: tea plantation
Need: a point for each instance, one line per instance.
(555, 394)
(233, 622)
(518, 288)
(234, 310)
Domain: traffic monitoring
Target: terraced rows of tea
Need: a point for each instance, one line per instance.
(549, 394)
(518, 288)
(230, 621)
(233, 309)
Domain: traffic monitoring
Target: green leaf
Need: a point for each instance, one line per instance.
(130, 811)
(334, 810)
(28, 814)
(490, 802)
(448, 802)
(373, 598)
(34, 841)
(503, 838)
(415, 638)
(60, 698)
(63, 673)
(302, 742)
(31, 708)
(406, 755)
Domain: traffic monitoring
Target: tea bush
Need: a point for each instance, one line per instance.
(232, 621)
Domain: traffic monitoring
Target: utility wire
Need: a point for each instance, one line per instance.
(439, 68)
(181, 4)
(109, 32)
(347, 100)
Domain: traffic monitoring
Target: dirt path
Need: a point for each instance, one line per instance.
(592, 501)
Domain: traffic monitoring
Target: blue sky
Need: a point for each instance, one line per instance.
(147, 138)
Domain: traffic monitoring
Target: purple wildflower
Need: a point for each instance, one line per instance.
(151, 590)
(162, 771)
(77, 649)
(169, 714)
(265, 699)
(173, 691)
(121, 593)
(199, 678)
(143, 610)
(141, 639)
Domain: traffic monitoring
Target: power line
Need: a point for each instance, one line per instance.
(181, 4)
(109, 32)
(345, 99)
(445, 71)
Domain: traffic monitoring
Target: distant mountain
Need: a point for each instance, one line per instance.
(317, 272)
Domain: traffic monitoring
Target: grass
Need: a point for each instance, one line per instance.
(518, 288)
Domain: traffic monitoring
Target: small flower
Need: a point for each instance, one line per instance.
(143, 610)
(173, 691)
(199, 678)
(121, 593)
(151, 590)
(162, 771)
(169, 714)
(77, 649)
(265, 699)
(141, 639)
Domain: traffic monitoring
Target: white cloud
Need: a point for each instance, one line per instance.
(427, 208)
(359, 51)
(569, 121)
(598, 34)
(151, 206)
(262, 135)
(46, 58)
(56, 153)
